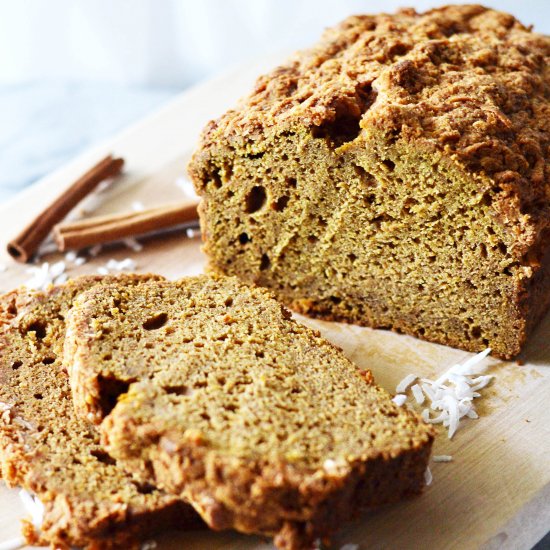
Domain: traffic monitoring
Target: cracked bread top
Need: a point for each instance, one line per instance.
(467, 80)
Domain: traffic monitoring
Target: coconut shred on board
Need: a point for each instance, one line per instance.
(55, 274)
(450, 397)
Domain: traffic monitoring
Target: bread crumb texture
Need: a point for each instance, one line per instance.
(394, 175)
(212, 390)
(44, 448)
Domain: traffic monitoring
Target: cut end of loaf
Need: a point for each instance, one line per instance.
(364, 181)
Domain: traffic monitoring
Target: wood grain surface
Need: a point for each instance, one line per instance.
(495, 494)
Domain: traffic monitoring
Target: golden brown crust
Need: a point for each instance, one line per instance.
(470, 80)
(394, 175)
(294, 504)
(88, 501)
(263, 425)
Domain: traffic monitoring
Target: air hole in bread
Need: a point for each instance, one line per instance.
(12, 308)
(281, 203)
(156, 321)
(216, 179)
(389, 164)
(476, 332)
(292, 182)
(255, 199)
(102, 457)
(227, 171)
(265, 262)
(178, 390)
(228, 302)
(143, 488)
(110, 389)
(39, 328)
(38, 396)
(255, 156)
(16, 364)
(363, 175)
(48, 360)
(244, 238)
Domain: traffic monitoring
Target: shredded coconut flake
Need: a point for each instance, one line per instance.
(90, 203)
(138, 206)
(418, 394)
(442, 458)
(405, 383)
(34, 506)
(62, 278)
(73, 258)
(114, 266)
(44, 275)
(399, 399)
(428, 477)
(450, 397)
(133, 244)
(47, 247)
(95, 250)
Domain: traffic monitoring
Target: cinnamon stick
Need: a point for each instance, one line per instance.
(116, 227)
(22, 247)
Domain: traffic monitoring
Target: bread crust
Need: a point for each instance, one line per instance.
(88, 501)
(263, 425)
(465, 85)
(470, 80)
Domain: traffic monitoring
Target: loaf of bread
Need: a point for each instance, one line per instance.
(395, 175)
(209, 388)
(45, 449)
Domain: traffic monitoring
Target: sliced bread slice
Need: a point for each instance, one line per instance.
(44, 448)
(264, 426)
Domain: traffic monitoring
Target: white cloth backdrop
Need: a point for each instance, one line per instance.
(174, 42)
(74, 71)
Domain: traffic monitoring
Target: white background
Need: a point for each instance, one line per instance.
(75, 71)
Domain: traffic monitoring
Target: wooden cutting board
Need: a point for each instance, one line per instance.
(495, 494)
